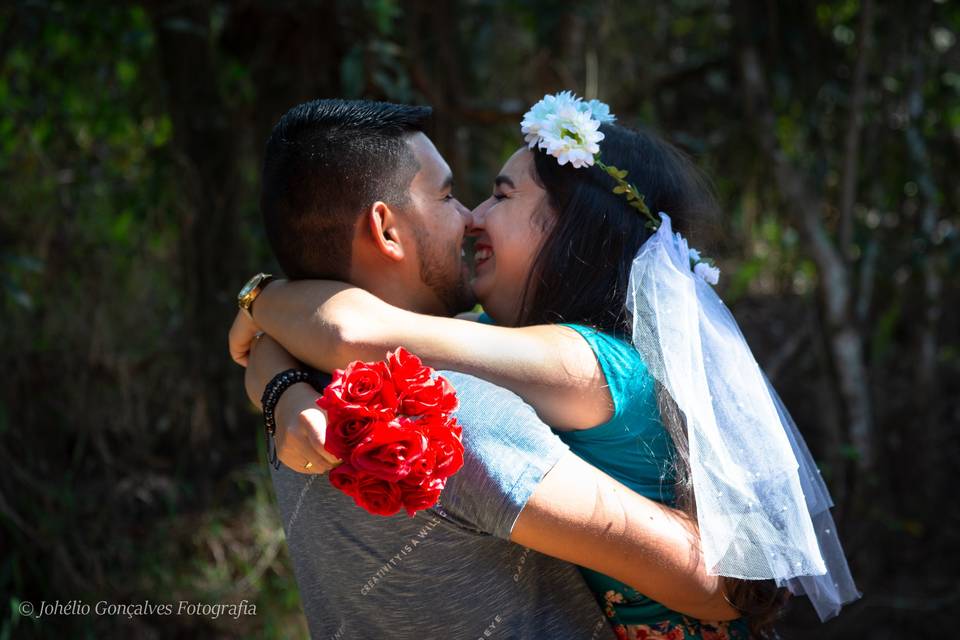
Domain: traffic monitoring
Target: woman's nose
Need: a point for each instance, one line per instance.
(478, 216)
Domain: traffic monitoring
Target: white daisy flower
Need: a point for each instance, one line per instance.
(535, 119)
(571, 135)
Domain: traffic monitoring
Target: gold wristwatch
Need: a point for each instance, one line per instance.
(251, 290)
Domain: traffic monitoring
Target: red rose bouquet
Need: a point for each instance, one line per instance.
(392, 425)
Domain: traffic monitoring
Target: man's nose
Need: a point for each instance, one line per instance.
(466, 213)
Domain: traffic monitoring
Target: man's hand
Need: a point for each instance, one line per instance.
(301, 424)
(242, 334)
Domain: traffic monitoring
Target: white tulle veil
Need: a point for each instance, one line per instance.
(762, 508)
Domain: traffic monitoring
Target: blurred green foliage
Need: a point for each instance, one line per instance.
(130, 141)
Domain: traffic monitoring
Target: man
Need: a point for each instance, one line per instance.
(355, 191)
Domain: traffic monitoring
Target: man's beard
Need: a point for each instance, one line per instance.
(446, 282)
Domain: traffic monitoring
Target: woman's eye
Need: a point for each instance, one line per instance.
(498, 197)
(448, 197)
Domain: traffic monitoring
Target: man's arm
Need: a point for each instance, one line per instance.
(579, 514)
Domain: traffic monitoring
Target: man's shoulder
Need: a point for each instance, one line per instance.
(466, 383)
(478, 395)
(507, 451)
(493, 417)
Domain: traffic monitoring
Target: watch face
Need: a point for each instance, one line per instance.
(250, 286)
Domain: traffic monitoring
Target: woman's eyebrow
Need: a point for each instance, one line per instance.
(502, 179)
(447, 182)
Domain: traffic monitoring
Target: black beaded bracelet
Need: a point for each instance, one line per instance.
(271, 396)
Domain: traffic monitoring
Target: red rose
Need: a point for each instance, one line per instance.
(378, 496)
(407, 369)
(346, 479)
(347, 432)
(391, 423)
(360, 389)
(389, 451)
(421, 497)
(445, 445)
(362, 381)
(421, 468)
(432, 396)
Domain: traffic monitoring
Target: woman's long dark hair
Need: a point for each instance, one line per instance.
(582, 271)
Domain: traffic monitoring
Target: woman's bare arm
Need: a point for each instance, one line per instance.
(328, 324)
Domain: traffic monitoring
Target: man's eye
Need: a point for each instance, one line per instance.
(448, 197)
(499, 196)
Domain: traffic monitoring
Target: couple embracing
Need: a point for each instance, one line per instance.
(628, 470)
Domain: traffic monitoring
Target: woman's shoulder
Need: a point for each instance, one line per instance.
(612, 347)
(626, 372)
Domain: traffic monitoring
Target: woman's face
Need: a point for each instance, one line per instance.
(510, 227)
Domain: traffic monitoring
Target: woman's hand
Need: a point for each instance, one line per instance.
(301, 424)
(301, 430)
(241, 337)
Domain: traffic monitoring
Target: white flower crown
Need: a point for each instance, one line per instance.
(566, 127)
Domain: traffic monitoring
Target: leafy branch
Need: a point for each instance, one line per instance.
(634, 197)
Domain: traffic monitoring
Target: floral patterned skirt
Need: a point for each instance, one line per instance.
(677, 627)
(685, 630)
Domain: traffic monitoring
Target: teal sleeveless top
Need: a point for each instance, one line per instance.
(634, 448)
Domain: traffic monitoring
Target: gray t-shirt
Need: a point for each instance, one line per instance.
(450, 571)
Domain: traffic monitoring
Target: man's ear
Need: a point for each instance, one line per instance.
(384, 230)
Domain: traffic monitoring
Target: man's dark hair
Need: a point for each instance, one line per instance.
(326, 162)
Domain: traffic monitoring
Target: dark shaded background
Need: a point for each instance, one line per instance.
(130, 144)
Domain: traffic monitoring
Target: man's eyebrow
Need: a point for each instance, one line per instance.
(502, 179)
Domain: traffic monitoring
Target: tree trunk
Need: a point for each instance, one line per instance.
(836, 285)
(204, 147)
(851, 159)
(927, 381)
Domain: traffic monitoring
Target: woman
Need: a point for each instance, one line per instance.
(553, 256)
